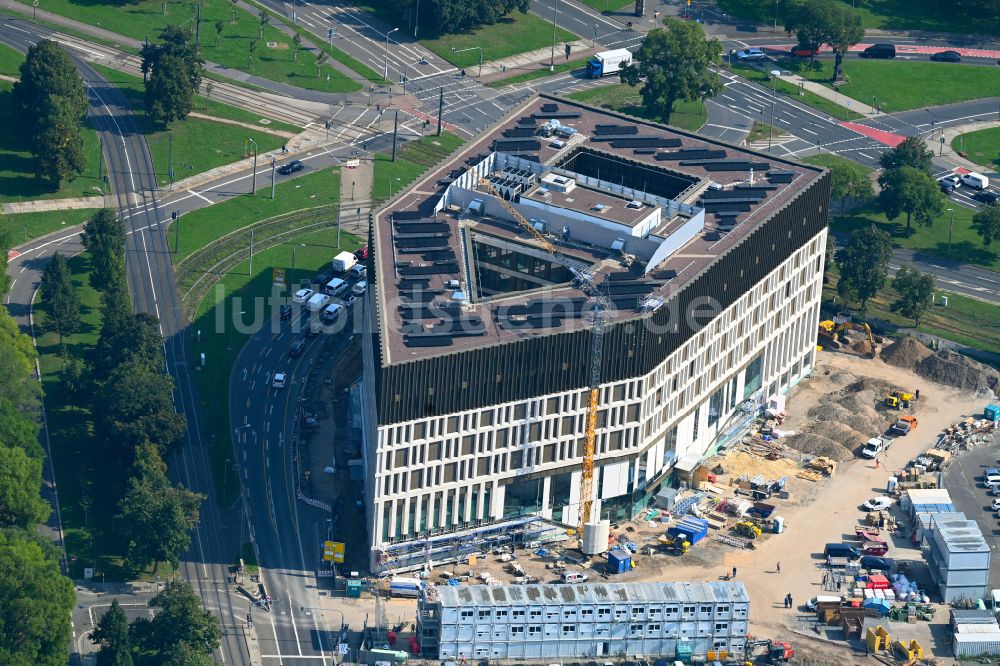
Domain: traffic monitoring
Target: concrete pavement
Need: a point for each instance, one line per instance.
(945, 153)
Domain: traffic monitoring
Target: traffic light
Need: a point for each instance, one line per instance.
(568, 50)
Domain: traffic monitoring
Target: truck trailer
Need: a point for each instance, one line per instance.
(608, 62)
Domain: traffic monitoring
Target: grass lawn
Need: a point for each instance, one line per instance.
(804, 96)
(26, 226)
(967, 246)
(200, 227)
(17, 165)
(222, 346)
(965, 320)
(931, 15)
(625, 98)
(513, 34)
(10, 61)
(537, 72)
(760, 131)
(145, 19)
(198, 144)
(412, 159)
(899, 86)
(981, 147)
(85, 484)
(829, 160)
(607, 5)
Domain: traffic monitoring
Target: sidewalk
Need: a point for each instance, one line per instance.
(356, 197)
(532, 60)
(43, 205)
(945, 153)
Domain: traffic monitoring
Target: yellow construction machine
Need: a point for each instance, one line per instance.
(747, 529)
(899, 399)
(831, 333)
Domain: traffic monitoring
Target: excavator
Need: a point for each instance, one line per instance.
(831, 334)
(778, 652)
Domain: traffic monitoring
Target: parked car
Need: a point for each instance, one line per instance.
(953, 179)
(302, 295)
(877, 504)
(800, 52)
(876, 563)
(873, 447)
(991, 477)
(879, 51)
(291, 167)
(995, 505)
(976, 181)
(753, 53)
(279, 380)
(989, 198)
(947, 56)
(297, 347)
(322, 278)
(361, 253)
(285, 312)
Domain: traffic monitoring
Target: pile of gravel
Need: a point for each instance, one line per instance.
(954, 369)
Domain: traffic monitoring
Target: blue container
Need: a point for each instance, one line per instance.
(695, 529)
(619, 561)
(684, 652)
(992, 412)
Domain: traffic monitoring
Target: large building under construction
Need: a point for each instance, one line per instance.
(573, 248)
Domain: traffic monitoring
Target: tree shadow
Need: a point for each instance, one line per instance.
(963, 252)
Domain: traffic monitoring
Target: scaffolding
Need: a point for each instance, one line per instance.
(427, 552)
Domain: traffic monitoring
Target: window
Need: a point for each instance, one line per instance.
(635, 628)
(654, 627)
(501, 614)
(722, 610)
(535, 613)
(705, 610)
(603, 612)
(568, 629)
(715, 408)
(484, 615)
(688, 610)
(721, 626)
(517, 631)
(517, 614)
(467, 614)
(587, 612)
(534, 630)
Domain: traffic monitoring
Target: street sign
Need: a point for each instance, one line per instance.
(88, 573)
(278, 277)
(343, 648)
(333, 551)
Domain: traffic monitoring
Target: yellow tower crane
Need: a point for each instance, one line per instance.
(596, 354)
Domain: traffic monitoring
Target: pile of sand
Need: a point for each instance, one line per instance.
(906, 353)
(953, 369)
(817, 444)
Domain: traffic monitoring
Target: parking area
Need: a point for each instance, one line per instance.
(963, 479)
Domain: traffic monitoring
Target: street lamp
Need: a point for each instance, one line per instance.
(385, 72)
(552, 56)
(253, 180)
(951, 227)
(473, 48)
(770, 128)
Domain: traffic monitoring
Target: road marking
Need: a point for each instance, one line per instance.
(203, 198)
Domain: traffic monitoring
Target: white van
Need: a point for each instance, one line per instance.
(573, 577)
(336, 287)
(976, 181)
(332, 312)
(359, 288)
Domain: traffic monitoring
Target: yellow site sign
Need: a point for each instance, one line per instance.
(333, 551)
(278, 276)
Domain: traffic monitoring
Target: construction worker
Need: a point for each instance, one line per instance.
(876, 463)
(778, 568)
(734, 572)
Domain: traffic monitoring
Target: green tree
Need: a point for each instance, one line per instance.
(320, 61)
(20, 482)
(176, 71)
(251, 52)
(817, 22)
(37, 601)
(915, 291)
(911, 152)
(155, 518)
(62, 301)
(219, 27)
(180, 620)
(135, 405)
(49, 101)
(112, 634)
(863, 264)
(986, 223)
(296, 45)
(849, 181)
(6, 243)
(104, 238)
(674, 64)
(58, 144)
(908, 190)
(456, 16)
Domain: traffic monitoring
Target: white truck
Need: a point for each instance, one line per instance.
(875, 446)
(608, 62)
(317, 302)
(343, 262)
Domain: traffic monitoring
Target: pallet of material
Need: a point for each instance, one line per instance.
(715, 521)
(714, 488)
(809, 475)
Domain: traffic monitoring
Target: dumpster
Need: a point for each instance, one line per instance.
(354, 589)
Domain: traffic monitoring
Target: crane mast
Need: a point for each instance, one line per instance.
(596, 354)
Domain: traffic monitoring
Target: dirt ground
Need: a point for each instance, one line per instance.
(815, 513)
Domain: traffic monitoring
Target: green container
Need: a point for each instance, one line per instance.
(353, 589)
(684, 652)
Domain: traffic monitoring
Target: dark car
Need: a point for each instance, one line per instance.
(285, 312)
(322, 278)
(990, 198)
(876, 563)
(296, 347)
(842, 550)
(291, 167)
(947, 56)
(879, 51)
